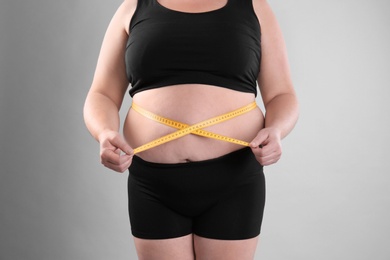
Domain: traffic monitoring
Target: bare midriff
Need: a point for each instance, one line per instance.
(191, 104)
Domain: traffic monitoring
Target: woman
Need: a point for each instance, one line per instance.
(198, 192)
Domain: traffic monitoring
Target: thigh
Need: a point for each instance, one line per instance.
(150, 216)
(237, 215)
(213, 249)
(165, 249)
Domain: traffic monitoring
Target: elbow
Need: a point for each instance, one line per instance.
(86, 109)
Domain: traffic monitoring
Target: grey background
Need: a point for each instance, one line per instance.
(328, 198)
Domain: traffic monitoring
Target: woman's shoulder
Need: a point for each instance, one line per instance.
(264, 13)
(259, 3)
(126, 11)
(130, 4)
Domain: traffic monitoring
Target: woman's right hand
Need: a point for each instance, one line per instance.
(115, 153)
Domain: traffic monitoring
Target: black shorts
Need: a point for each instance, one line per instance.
(220, 198)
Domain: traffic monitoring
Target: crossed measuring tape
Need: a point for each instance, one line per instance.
(185, 129)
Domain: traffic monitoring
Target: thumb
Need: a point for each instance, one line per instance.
(120, 143)
(259, 140)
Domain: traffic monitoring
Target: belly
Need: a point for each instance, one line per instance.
(190, 104)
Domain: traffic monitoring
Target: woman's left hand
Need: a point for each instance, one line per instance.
(267, 146)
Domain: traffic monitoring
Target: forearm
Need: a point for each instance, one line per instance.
(282, 113)
(100, 114)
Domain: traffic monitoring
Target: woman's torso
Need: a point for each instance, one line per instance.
(191, 103)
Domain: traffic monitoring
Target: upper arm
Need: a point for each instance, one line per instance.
(274, 77)
(110, 75)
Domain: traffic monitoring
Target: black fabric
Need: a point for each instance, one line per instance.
(221, 198)
(167, 47)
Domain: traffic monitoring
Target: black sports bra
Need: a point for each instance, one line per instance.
(168, 47)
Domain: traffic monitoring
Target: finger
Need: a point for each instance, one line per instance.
(120, 143)
(117, 162)
(118, 168)
(263, 150)
(270, 158)
(269, 162)
(259, 140)
(268, 147)
(114, 157)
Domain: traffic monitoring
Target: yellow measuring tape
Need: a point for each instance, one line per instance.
(185, 129)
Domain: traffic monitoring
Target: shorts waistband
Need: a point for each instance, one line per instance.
(231, 159)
